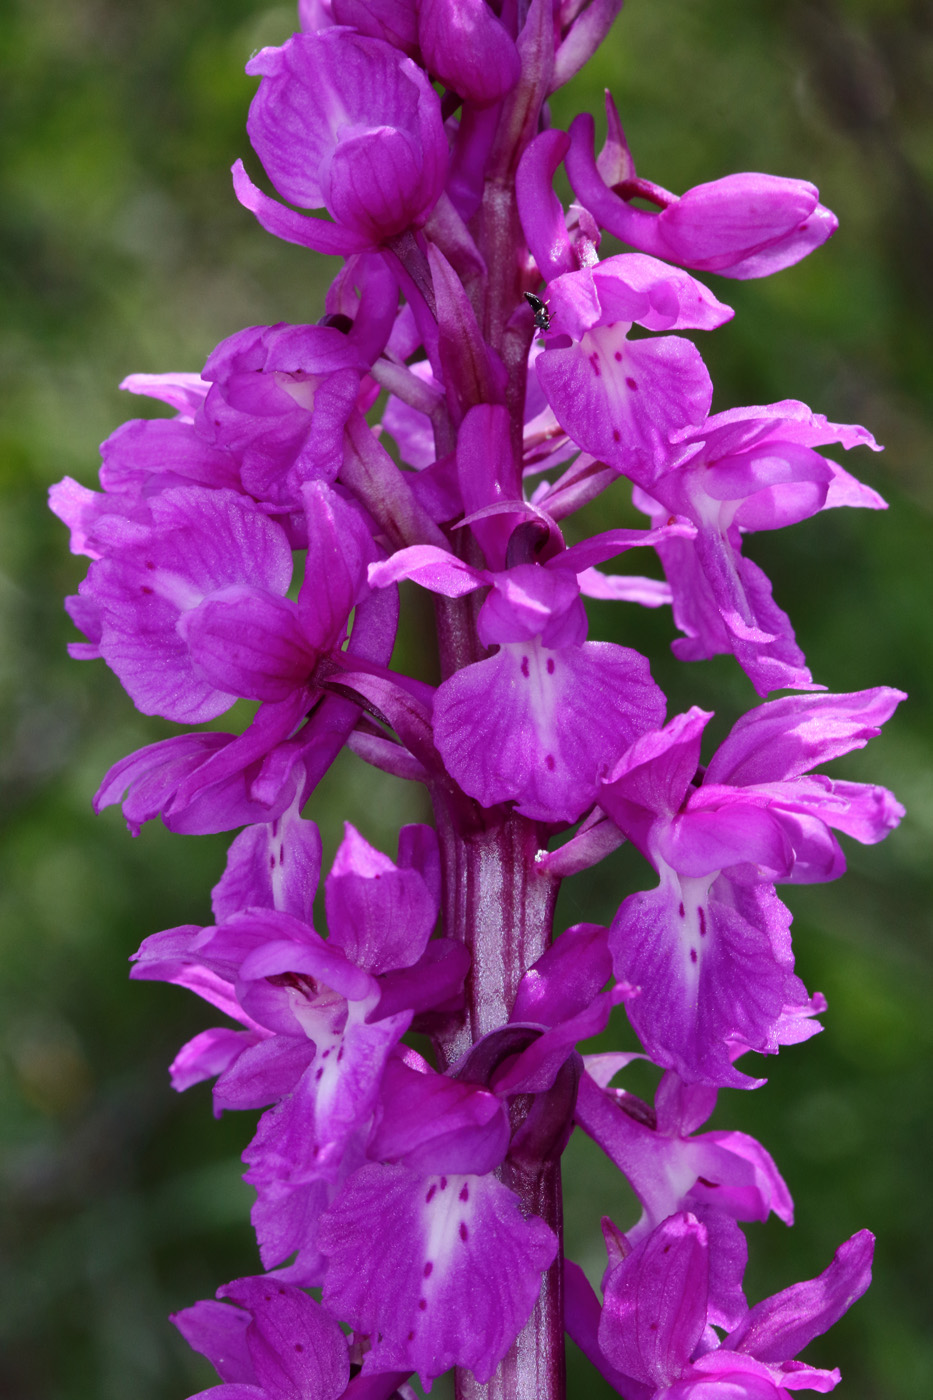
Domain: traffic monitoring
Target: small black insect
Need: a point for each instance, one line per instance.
(542, 319)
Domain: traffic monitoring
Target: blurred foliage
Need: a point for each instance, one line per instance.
(122, 249)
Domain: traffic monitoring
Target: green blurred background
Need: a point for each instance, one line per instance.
(123, 250)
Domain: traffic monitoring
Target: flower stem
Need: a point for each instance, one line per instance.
(501, 906)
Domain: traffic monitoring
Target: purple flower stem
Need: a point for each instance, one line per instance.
(498, 903)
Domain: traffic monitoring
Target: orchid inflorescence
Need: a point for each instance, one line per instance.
(419, 1193)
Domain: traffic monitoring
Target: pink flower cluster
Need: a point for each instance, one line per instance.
(251, 548)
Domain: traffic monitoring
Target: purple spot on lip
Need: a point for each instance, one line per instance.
(693, 955)
(681, 909)
(630, 382)
(422, 1304)
(702, 916)
(550, 665)
(428, 1269)
(443, 1183)
(526, 670)
(464, 1192)
(299, 1346)
(428, 1198)
(618, 354)
(272, 862)
(616, 435)
(549, 762)
(594, 365)
(464, 1232)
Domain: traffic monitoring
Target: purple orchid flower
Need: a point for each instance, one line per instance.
(743, 470)
(710, 947)
(743, 226)
(521, 727)
(274, 1343)
(193, 610)
(210, 782)
(426, 1250)
(279, 399)
(346, 123)
(622, 399)
(652, 1338)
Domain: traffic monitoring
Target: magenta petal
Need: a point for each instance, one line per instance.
(325, 102)
(180, 390)
(784, 738)
(218, 1332)
(711, 964)
(263, 1073)
(528, 602)
(538, 206)
(380, 915)
(151, 775)
(748, 225)
(286, 224)
(566, 978)
(248, 642)
(169, 452)
(201, 541)
(339, 549)
(780, 1326)
(468, 49)
(707, 839)
(296, 1349)
(582, 1313)
(861, 810)
(395, 21)
(433, 1123)
(306, 1135)
(443, 1271)
(536, 1069)
(207, 1055)
(769, 1190)
(539, 727)
(654, 776)
(621, 399)
(655, 1303)
(433, 568)
(435, 982)
(368, 180)
(275, 865)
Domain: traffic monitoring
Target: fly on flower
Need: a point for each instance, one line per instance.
(542, 317)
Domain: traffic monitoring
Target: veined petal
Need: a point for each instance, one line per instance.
(380, 914)
(785, 737)
(297, 1351)
(443, 1270)
(539, 728)
(706, 971)
(622, 399)
(655, 1303)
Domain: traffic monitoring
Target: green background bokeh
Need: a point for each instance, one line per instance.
(124, 250)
